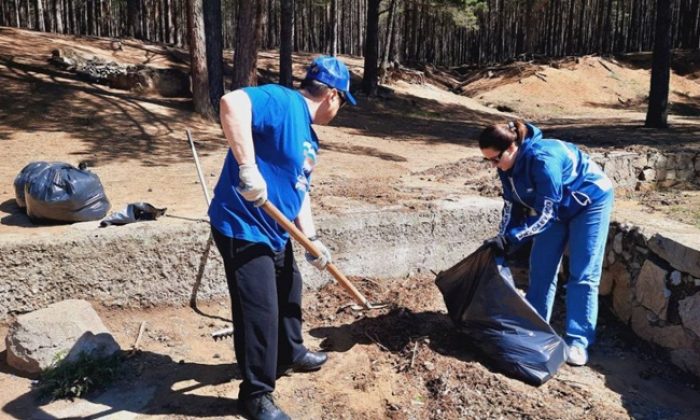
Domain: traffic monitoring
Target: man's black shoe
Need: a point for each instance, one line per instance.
(261, 407)
(312, 361)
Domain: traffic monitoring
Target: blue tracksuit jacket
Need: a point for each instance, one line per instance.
(550, 180)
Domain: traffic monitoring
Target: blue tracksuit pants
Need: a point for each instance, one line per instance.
(586, 235)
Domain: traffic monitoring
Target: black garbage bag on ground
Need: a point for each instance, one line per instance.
(134, 212)
(63, 193)
(484, 304)
(23, 177)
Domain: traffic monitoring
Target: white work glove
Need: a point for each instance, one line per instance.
(252, 186)
(321, 261)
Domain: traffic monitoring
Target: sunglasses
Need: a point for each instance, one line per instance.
(496, 159)
(343, 99)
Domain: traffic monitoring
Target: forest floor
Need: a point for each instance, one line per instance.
(404, 362)
(420, 142)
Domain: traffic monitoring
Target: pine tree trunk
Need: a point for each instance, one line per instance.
(246, 49)
(371, 75)
(132, 18)
(214, 47)
(198, 59)
(39, 16)
(286, 41)
(657, 114)
(334, 27)
(389, 34)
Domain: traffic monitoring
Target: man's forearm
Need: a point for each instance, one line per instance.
(236, 119)
(305, 220)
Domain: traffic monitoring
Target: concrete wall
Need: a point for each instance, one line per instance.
(153, 263)
(652, 273)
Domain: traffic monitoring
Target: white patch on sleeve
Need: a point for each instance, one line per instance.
(505, 217)
(540, 224)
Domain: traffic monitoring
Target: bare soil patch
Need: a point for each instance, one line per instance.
(403, 362)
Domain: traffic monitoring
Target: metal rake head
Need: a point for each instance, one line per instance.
(222, 334)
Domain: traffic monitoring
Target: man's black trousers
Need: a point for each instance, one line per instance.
(265, 288)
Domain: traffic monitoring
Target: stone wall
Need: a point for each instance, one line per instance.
(652, 274)
(645, 171)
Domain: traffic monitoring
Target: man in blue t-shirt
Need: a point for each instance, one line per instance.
(273, 152)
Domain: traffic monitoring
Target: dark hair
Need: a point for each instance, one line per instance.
(501, 136)
(315, 88)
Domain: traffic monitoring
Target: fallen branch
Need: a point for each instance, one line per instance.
(376, 341)
(413, 356)
(541, 77)
(142, 328)
(605, 66)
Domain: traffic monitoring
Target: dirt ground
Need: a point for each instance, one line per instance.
(418, 140)
(412, 145)
(403, 362)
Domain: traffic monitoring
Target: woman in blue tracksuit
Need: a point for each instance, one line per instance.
(555, 195)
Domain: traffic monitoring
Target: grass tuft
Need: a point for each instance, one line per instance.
(77, 378)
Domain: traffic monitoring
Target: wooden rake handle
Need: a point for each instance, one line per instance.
(280, 218)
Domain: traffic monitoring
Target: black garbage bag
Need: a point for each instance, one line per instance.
(485, 305)
(63, 193)
(23, 177)
(134, 212)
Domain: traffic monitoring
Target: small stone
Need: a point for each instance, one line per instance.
(216, 356)
(689, 311)
(642, 250)
(428, 366)
(611, 258)
(647, 174)
(676, 278)
(696, 282)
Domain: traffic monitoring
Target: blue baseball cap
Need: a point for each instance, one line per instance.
(332, 72)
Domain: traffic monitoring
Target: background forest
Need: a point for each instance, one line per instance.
(388, 32)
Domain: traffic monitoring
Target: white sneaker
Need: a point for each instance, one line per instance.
(578, 356)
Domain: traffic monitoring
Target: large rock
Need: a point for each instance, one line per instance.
(650, 289)
(622, 295)
(682, 251)
(689, 311)
(616, 272)
(641, 322)
(37, 339)
(645, 324)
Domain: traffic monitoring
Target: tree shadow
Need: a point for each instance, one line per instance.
(648, 384)
(622, 134)
(395, 331)
(689, 107)
(683, 62)
(114, 125)
(406, 117)
(149, 383)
